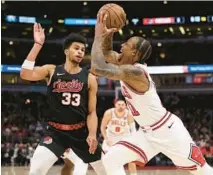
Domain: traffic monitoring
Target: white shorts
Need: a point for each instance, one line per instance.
(80, 167)
(114, 140)
(172, 139)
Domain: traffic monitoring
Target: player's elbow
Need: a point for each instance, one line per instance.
(99, 70)
(93, 114)
(25, 75)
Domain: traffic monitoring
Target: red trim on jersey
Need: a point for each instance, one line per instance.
(133, 90)
(160, 119)
(135, 149)
(159, 123)
(190, 168)
(163, 122)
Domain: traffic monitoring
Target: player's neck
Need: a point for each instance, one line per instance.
(127, 59)
(119, 114)
(71, 67)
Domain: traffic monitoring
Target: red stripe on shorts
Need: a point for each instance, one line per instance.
(162, 122)
(160, 119)
(135, 149)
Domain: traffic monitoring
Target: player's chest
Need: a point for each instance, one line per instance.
(121, 123)
(67, 84)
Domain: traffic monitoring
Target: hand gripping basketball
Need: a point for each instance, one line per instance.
(101, 29)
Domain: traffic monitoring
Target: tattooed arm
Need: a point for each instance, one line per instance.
(127, 73)
(101, 68)
(107, 47)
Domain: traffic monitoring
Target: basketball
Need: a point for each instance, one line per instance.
(116, 16)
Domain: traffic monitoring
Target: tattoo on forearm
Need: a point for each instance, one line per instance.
(111, 71)
(107, 43)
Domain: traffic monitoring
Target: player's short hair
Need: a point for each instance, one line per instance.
(74, 37)
(144, 47)
(119, 99)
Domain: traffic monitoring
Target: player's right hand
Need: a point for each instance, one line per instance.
(100, 27)
(92, 142)
(38, 33)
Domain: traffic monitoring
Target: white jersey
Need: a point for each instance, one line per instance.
(118, 126)
(146, 108)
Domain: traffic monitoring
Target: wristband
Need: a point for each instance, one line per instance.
(28, 64)
(39, 43)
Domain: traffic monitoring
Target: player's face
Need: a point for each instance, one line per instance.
(120, 106)
(76, 52)
(128, 50)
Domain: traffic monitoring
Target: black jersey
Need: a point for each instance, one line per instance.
(68, 96)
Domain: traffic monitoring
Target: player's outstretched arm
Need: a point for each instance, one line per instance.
(104, 123)
(100, 67)
(92, 119)
(28, 71)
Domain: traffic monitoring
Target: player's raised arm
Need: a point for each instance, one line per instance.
(28, 71)
(100, 67)
(110, 55)
(92, 119)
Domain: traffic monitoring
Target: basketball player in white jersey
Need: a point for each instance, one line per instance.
(117, 124)
(160, 130)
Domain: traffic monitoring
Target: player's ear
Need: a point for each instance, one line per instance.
(66, 52)
(134, 52)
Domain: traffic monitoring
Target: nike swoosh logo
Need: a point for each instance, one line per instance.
(170, 125)
(59, 74)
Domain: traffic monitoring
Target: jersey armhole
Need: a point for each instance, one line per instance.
(50, 77)
(146, 74)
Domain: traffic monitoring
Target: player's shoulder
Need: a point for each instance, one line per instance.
(127, 111)
(142, 66)
(92, 76)
(109, 111)
(49, 66)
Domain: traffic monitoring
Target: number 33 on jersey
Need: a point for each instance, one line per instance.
(73, 99)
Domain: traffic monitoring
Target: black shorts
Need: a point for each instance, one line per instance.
(58, 141)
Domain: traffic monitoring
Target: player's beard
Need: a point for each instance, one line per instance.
(74, 62)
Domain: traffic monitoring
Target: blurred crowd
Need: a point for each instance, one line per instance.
(24, 116)
(167, 54)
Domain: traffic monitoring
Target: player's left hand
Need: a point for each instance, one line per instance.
(100, 27)
(92, 142)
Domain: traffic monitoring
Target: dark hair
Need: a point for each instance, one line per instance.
(144, 47)
(74, 37)
(119, 99)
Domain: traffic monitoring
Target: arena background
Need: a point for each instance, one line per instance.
(181, 34)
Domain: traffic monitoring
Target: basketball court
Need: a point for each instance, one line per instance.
(56, 171)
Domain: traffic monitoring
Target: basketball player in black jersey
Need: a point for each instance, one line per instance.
(71, 92)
